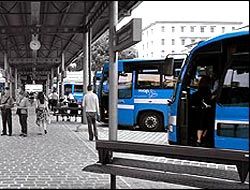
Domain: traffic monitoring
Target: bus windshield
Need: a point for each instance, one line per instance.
(78, 88)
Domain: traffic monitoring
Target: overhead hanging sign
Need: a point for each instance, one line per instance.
(129, 34)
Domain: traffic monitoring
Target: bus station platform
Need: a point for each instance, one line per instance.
(55, 160)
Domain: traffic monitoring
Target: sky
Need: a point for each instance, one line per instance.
(150, 11)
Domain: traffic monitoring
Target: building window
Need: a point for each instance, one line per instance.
(202, 29)
(233, 28)
(192, 41)
(182, 41)
(162, 41)
(162, 53)
(173, 51)
(212, 29)
(152, 43)
(152, 54)
(147, 44)
(223, 29)
(182, 28)
(163, 28)
(191, 28)
(173, 41)
(143, 46)
(173, 29)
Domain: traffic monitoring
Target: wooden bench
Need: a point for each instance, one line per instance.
(156, 171)
(66, 111)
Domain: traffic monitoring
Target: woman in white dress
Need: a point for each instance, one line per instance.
(42, 111)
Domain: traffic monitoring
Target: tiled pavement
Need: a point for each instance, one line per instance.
(55, 160)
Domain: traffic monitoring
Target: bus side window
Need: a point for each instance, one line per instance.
(148, 80)
(235, 90)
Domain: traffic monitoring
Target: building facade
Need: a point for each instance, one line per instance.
(165, 37)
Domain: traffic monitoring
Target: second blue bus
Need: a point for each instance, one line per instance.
(144, 88)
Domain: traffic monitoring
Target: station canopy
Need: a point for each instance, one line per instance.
(57, 25)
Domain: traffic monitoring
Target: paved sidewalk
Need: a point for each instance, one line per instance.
(55, 160)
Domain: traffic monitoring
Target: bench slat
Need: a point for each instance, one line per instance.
(176, 168)
(169, 177)
(172, 151)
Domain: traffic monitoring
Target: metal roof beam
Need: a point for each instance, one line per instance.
(25, 21)
(42, 29)
(35, 20)
(43, 12)
(63, 16)
(13, 6)
(55, 6)
(35, 13)
(12, 38)
(97, 3)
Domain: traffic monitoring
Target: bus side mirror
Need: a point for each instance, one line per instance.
(168, 66)
(169, 101)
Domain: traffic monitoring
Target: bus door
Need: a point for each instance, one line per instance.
(125, 99)
(232, 109)
(193, 116)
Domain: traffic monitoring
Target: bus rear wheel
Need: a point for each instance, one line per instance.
(151, 121)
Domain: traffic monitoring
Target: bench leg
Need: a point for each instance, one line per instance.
(104, 156)
(57, 118)
(243, 169)
(113, 181)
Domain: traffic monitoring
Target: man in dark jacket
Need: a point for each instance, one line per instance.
(7, 102)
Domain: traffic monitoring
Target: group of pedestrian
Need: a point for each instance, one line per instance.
(22, 104)
(90, 102)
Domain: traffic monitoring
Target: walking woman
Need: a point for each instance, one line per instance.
(42, 110)
(22, 111)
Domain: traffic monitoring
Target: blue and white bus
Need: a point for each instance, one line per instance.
(225, 59)
(97, 80)
(76, 89)
(73, 84)
(143, 92)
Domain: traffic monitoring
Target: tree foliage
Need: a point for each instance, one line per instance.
(100, 53)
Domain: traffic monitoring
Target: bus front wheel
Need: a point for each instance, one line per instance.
(151, 121)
